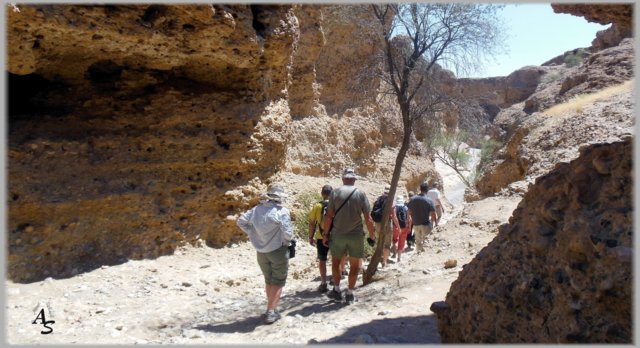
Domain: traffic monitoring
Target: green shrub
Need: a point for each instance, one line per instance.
(487, 148)
(574, 58)
(305, 202)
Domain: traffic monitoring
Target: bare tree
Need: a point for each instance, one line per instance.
(422, 36)
(449, 148)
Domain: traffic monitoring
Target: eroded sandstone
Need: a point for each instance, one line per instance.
(560, 270)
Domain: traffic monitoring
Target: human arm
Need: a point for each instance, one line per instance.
(244, 222)
(394, 216)
(285, 226)
(370, 226)
(434, 218)
(328, 221)
(313, 224)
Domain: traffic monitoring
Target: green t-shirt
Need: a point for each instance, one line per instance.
(349, 219)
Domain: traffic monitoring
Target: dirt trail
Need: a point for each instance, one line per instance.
(201, 295)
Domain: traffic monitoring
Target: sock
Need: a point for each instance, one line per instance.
(270, 311)
(336, 288)
(349, 292)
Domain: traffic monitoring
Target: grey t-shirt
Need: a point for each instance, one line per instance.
(349, 219)
(421, 208)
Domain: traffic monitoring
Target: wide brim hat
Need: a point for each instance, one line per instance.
(399, 200)
(386, 189)
(276, 191)
(349, 173)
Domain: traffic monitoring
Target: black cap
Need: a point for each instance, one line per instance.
(326, 189)
(424, 187)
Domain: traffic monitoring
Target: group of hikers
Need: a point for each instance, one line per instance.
(336, 227)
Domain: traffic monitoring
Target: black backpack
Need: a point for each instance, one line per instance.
(325, 204)
(376, 211)
(401, 213)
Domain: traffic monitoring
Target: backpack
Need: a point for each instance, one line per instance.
(325, 204)
(376, 211)
(401, 213)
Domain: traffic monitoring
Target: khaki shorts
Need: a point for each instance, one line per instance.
(341, 244)
(386, 242)
(274, 265)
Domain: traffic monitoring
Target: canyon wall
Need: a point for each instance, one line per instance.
(136, 128)
(560, 270)
(535, 140)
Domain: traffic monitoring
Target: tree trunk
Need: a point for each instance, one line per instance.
(372, 268)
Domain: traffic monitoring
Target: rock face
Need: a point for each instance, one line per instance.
(619, 15)
(536, 140)
(560, 270)
(136, 128)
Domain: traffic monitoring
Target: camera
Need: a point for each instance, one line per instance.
(292, 249)
(371, 241)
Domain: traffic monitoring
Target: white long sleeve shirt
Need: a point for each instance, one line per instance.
(268, 226)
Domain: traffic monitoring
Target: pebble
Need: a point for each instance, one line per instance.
(186, 284)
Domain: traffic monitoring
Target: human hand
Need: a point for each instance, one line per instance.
(312, 241)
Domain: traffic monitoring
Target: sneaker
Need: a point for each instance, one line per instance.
(272, 317)
(335, 295)
(350, 298)
(323, 287)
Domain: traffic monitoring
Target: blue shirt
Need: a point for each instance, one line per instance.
(268, 226)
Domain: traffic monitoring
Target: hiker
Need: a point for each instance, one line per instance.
(344, 233)
(268, 226)
(411, 238)
(434, 194)
(403, 226)
(376, 215)
(421, 209)
(316, 215)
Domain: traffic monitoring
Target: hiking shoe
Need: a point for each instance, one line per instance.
(335, 295)
(323, 287)
(350, 298)
(272, 317)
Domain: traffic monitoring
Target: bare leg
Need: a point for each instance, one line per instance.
(273, 296)
(343, 261)
(323, 271)
(354, 268)
(335, 271)
(385, 256)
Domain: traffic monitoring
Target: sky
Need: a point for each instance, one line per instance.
(536, 34)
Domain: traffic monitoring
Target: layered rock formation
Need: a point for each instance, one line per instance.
(536, 140)
(560, 270)
(135, 128)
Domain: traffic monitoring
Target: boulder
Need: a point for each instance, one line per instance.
(561, 270)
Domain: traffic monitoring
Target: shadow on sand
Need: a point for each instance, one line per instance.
(404, 330)
(244, 325)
